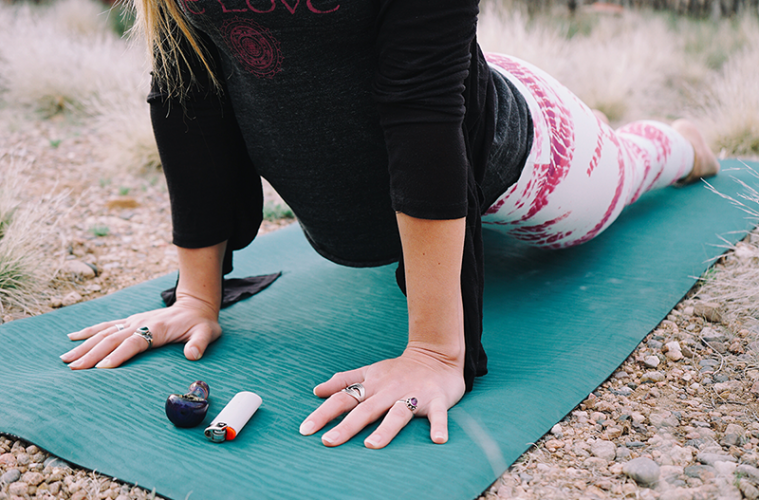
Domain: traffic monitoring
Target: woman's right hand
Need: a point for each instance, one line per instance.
(110, 344)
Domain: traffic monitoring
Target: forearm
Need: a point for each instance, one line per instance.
(200, 275)
(432, 253)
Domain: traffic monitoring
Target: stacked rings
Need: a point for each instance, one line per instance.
(145, 333)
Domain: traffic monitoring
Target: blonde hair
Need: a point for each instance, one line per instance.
(164, 27)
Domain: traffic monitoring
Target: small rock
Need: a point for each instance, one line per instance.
(554, 444)
(663, 419)
(79, 495)
(11, 476)
(57, 475)
(673, 351)
(18, 488)
(747, 470)
(54, 462)
(749, 490)
(54, 487)
(71, 299)
(623, 453)
(710, 311)
(725, 469)
(712, 458)
(677, 494)
(651, 361)
(654, 344)
(33, 478)
(732, 436)
(8, 459)
(556, 430)
(595, 463)
(604, 449)
(525, 478)
(702, 472)
(652, 377)
(122, 497)
(77, 269)
(122, 203)
(643, 471)
(23, 459)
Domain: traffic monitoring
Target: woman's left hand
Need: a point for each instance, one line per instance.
(435, 380)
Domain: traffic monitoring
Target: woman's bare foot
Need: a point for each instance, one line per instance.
(705, 164)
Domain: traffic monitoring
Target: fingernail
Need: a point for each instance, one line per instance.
(372, 441)
(440, 437)
(71, 335)
(76, 364)
(194, 353)
(106, 363)
(65, 357)
(314, 391)
(331, 437)
(307, 428)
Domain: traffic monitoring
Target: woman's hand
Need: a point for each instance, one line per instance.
(434, 379)
(194, 317)
(110, 344)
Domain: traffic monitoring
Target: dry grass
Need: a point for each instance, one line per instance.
(644, 65)
(67, 59)
(27, 230)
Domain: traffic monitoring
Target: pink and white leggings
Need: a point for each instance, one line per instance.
(580, 173)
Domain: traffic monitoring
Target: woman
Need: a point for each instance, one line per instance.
(389, 134)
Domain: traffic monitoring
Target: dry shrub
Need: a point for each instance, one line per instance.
(65, 58)
(735, 284)
(645, 65)
(730, 113)
(617, 65)
(28, 230)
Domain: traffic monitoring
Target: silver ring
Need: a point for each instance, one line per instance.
(145, 333)
(356, 391)
(411, 403)
(119, 326)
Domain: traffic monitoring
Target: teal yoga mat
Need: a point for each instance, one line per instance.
(557, 323)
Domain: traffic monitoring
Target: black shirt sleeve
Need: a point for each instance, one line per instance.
(215, 192)
(424, 55)
(434, 91)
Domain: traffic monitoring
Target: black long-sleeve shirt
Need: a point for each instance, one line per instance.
(353, 111)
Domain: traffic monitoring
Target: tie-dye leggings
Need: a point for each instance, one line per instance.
(580, 173)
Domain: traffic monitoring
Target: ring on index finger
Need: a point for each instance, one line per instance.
(356, 391)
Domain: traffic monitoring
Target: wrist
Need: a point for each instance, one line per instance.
(207, 306)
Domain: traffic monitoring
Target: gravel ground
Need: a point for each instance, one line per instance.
(677, 421)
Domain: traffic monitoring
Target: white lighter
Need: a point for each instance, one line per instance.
(228, 424)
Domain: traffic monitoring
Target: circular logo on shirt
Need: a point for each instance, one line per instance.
(254, 47)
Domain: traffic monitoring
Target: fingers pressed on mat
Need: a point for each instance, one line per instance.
(93, 330)
(103, 348)
(438, 417)
(88, 345)
(128, 349)
(338, 382)
(200, 337)
(361, 416)
(336, 405)
(396, 419)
